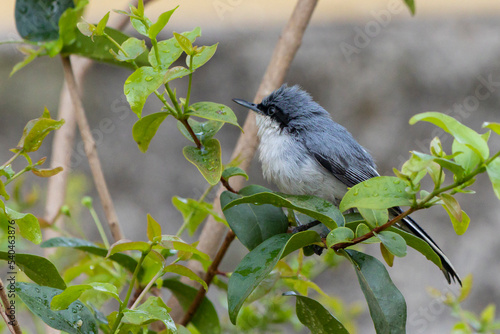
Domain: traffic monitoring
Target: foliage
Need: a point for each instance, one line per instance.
(275, 273)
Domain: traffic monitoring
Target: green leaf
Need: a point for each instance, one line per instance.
(140, 26)
(170, 49)
(133, 48)
(205, 319)
(213, 111)
(375, 217)
(468, 158)
(139, 85)
(338, 235)
(67, 26)
(312, 206)
(388, 256)
(176, 72)
(411, 6)
(35, 131)
(63, 300)
(463, 134)
(37, 268)
(28, 225)
(393, 242)
(151, 310)
(102, 25)
(493, 126)
(253, 224)
(207, 160)
(436, 147)
(452, 205)
(363, 229)
(493, 170)
(233, 171)
(103, 50)
(46, 172)
(76, 319)
(7, 171)
(460, 226)
(184, 43)
(257, 264)
(163, 19)
(316, 317)
(193, 212)
(145, 129)
(377, 193)
(202, 130)
(3, 192)
(124, 245)
(187, 248)
(387, 305)
(45, 13)
(154, 229)
(186, 272)
(125, 261)
(419, 245)
(203, 54)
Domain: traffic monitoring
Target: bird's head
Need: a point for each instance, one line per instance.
(288, 107)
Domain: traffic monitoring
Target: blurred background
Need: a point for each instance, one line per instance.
(370, 63)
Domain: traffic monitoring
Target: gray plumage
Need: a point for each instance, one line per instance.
(304, 152)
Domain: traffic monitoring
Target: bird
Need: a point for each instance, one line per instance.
(305, 152)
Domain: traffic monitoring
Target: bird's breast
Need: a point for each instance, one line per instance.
(287, 163)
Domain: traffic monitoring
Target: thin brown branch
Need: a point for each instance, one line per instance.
(284, 52)
(9, 316)
(90, 150)
(378, 229)
(191, 132)
(209, 276)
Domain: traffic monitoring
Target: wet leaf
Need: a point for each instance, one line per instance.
(158, 26)
(139, 85)
(207, 159)
(170, 50)
(35, 132)
(63, 300)
(202, 130)
(338, 235)
(393, 242)
(213, 111)
(203, 55)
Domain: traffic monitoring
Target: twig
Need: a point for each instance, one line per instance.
(209, 276)
(62, 145)
(284, 52)
(13, 325)
(378, 229)
(90, 150)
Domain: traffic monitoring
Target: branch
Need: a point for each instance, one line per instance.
(209, 276)
(62, 144)
(378, 229)
(90, 150)
(14, 328)
(284, 52)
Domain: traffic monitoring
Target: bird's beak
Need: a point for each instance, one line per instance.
(248, 105)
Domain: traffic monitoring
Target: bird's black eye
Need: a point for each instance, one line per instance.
(271, 110)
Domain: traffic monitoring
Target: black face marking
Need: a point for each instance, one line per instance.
(276, 114)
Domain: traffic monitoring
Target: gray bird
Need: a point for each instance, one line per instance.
(304, 152)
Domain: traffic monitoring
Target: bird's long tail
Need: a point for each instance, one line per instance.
(409, 225)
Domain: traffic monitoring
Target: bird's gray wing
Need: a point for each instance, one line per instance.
(349, 173)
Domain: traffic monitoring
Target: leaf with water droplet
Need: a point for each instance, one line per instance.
(203, 55)
(36, 130)
(137, 88)
(213, 111)
(170, 51)
(151, 310)
(338, 235)
(133, 48)
(63, 300)
(64, 320)
(393, 242)
(395, 195)
(207, 159)
(202, 130)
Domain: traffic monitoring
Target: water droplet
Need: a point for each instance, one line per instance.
(375, 195)
(127, 91)
(356, 192)
(37, 290)
(23, 9)
(148, 78)
(74, 310)
(128, 81)
(397, 182)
